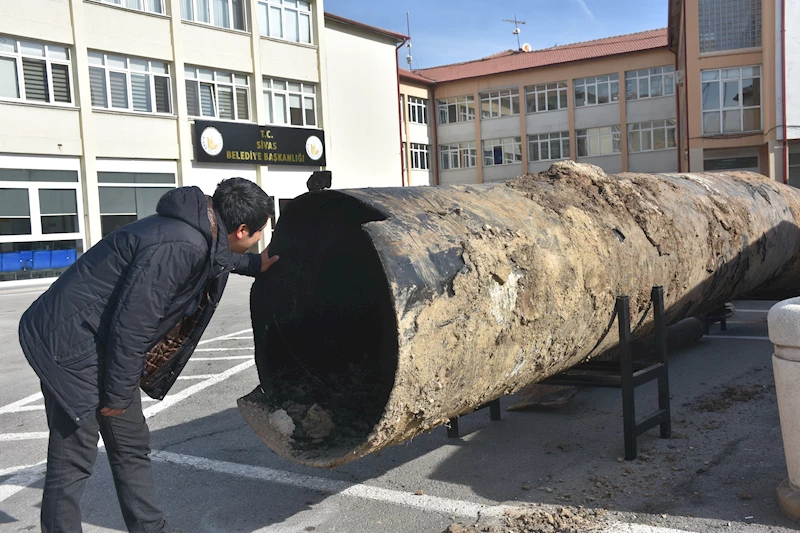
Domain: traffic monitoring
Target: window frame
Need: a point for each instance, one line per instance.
(598, 133)
(128, 185)
(129, 72)
(496, 98)
(196, 79)
(725, 15)
(648, 128)
(420, 156)
(122, 4)
(503, 143)
(532, 93)
(18, 56)
(264, 26)
(707, 79)
(210, 14)
(268, 89)
(417, 108)
(443, 106)
(540, 139)
(635, 76)
(460, 153)
(596, 82)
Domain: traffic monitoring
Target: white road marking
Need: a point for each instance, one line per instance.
(22, 480)
(224, 337)
(226, 358)
(6, 437)
(12, 407)
(21, 293)
(14, 469)
(238, 338)
(735, 337)
(28, 408)
(222, 349)
(197, 376)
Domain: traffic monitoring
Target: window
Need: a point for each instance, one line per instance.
(290, 102)
(35, 72)
(730, 163)
(152, 6)
(285, 19)
(731, 100)
(456, 109)
(547, 97)
(505, 151)
(599, 141)
(649, 136)
(794, 170)
(459, 155)
(222, 13)
(729, 24)
(597, 90)
(217, 94)
(650, 83)
(420, 158)
(129, 84)
(126, 196)
(548, 146)
(500, 103)
(40, 220)
(417, 110)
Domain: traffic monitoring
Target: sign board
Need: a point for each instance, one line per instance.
(230, 142)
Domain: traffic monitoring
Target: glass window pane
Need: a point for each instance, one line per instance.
(237, 6)
(225, 102)
(292, 30)
(263, 21)
(57, 52)
(118, 83)
(34, 73)
(655, 86)
(192, 98)
(15, 226)
(221, 14)
(711, 95)
(731, 96)
(295, 87)
(709, 75)
(240, 80)
(59, 224)
(117, 200)
(14, 203)
(207, 106)
(591, 94)
(295, 110)
(8, 45)
(110, 223)
(187, 10)
(190, 72)
(140, 65)
(206, 75)
(305, 29)
(242, 104)
(644, 87)
(634, 144)
(116, 62)
(647, 139)
(8, 78)
(31, 49)
(731, 121)
(147, 198)
(140, 92)
(659, 139)
(752, 119)
(711, 123)
(224, 77)
(275, 22)
(58, 202)
(280, 109)
(751, 92)
(268, 107)
(163, 100)
(308, 104)
(602, 93)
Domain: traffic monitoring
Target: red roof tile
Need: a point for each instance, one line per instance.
(413, 76)
(512, 60)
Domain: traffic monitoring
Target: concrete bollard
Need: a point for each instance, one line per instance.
(784, 332)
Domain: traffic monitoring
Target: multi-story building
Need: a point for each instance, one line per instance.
(416, 113)
(107, 104)
(739, 81)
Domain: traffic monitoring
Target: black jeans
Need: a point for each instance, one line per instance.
(71, 454)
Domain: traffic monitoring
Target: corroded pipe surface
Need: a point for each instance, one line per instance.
(393, 310)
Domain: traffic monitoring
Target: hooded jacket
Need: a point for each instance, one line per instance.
(87, 337)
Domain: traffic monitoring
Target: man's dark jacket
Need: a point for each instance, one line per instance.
(87, 336)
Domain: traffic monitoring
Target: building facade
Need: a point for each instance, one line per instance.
(107, 104)
(416, 118)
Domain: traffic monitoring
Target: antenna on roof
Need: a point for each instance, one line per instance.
(516, 31)
(409, 58)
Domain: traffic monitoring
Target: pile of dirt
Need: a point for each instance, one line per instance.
(532, 519)
(721, 400)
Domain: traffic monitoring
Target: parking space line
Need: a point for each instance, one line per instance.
(752, 310)
(22, 480)
(197, 376)
(224, 337)
(38, 435)
(12, 407)
(224, 358)
(736, 337)
(223, 349)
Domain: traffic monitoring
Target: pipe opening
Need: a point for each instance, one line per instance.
(325, 330)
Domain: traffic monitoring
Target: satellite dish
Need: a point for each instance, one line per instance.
(526, 47)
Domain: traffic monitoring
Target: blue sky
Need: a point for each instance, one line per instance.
(451, 31)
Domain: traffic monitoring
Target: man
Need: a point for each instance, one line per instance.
(131, 299)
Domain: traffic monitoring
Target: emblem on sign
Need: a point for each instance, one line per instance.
(211, 141)
(314, 148)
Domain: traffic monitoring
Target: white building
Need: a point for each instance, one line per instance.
(104, 103)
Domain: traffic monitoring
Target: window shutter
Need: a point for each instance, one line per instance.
(192, 98)
(207, 100)
(119, 89)
(242, 104)
(140, 92)
(225, 97)
(61, 91)
(97, 85)
(35, 76)
(163, 104)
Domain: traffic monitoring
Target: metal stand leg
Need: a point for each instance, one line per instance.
(626, 359)
(452, 430)
(494, 410)
(661, 353)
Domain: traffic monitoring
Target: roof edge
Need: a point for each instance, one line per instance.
(399, 37)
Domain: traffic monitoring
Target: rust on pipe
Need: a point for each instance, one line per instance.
(393, 310)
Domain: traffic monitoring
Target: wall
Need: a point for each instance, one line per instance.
(611, 164)
(597, 116)
(125, 32)
(658, 161)
(216, 48)
(46, 20)
(45, 130)
(548, 122)
(363, 136)
(650, 109)
(135, 136)
(464, 175)
(456, 132)
(792, 68)
(500, 127)
(501, 172)
(289, 61)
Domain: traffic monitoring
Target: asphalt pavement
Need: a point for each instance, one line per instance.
(718, 471)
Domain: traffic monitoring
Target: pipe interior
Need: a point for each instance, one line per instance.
(324, 324)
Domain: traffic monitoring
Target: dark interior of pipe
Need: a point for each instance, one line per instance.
(324, 326)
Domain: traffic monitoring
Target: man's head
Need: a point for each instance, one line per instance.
(244, 208)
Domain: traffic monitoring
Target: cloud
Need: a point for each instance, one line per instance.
(585, 8)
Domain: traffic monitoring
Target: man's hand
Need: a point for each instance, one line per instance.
(267, 261)
(105, 411)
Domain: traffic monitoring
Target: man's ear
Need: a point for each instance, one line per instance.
(242, 231)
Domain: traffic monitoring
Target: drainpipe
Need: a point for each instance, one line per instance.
(686, 90)
(783, 94)
(400, 113)
(434, 136)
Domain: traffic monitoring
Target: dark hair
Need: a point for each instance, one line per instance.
(240, 201)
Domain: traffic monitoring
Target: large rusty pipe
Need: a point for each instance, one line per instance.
(393, 310)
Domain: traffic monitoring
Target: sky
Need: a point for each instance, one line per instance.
(452, 31)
